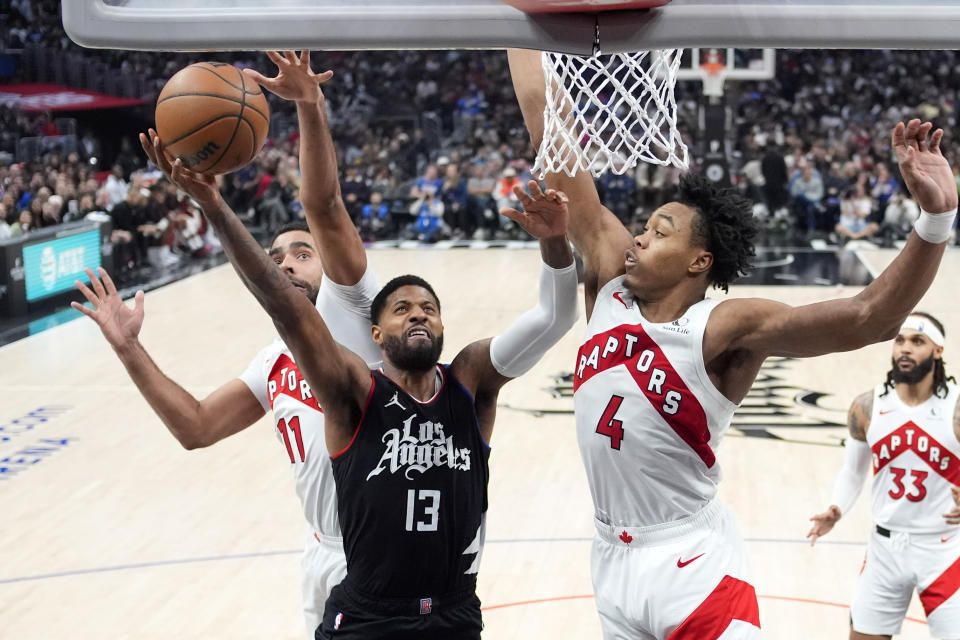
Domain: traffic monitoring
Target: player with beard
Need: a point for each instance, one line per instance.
(327, 268)
(409, 442)
(909, 427)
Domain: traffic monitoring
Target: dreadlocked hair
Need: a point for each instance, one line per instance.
(940, 377)
(724, 226)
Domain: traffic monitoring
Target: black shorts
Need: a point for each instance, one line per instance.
(349, 615)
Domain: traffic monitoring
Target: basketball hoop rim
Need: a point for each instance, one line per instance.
(713, 68)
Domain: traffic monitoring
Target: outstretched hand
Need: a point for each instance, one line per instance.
(294, 80)
(823, 523)
(119, 323)
(544, 215)
(202, 188)
(953, 516)
(923, 167)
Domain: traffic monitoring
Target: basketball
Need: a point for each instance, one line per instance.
(212, 117)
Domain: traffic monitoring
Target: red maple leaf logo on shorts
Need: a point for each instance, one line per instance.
(626, 537)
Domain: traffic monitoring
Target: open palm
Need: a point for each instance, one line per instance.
(118, 322)
(294, 80)
(544, 215)
(923, 167)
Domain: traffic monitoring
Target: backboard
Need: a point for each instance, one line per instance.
(441, 24)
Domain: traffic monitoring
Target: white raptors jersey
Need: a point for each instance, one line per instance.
(916, 458)
(648, 417)
(277, 383)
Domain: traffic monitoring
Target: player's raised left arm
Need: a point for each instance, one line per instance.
(485, 366)
(767, 328)
(341, 249)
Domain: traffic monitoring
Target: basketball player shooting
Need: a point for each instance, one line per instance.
(663, 368)
(909, 428)
(409, 443)
(272, 381)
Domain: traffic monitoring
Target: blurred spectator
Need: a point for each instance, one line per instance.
(898, 217)
(355, 191)
(882, 186)
(618, 194)
(128, 216)
(454, 194)
(807, 191)
(374, 218)
(116, 187)
(428, 227)
(855, 210)
(4, 227)
(430, 183)
(24, 223)
(775, 177)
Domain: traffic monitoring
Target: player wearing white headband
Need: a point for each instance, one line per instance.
(911, 437)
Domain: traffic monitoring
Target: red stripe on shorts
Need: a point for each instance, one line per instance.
(941, 589)
(732, 600)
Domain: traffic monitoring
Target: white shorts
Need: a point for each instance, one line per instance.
(684, 580)
(896, 565)
(323, 565)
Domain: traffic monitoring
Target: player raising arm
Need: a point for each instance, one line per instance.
(272, 382)
(663, 368)
(412, 526)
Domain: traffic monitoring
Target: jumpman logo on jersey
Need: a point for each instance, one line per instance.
(395, 401)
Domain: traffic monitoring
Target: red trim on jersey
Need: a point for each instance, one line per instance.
(941, 589)
(909, 442)
(280, 376)
(366, 405)
(688, 420)
(619, 298)
(732, 600)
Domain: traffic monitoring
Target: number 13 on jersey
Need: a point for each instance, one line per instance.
(429, 501)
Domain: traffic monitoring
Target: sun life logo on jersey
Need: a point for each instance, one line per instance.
(419, 448)
(678, 326)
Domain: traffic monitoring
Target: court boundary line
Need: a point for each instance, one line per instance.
(266, 554)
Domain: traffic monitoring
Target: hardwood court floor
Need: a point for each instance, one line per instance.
(111, 530)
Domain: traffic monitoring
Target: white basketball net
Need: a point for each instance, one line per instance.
(610, 112)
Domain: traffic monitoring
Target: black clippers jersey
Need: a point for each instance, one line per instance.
(412, 492)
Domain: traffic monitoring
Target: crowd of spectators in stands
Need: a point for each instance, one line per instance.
(430, 144)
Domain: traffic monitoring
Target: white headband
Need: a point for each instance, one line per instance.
(924, 326)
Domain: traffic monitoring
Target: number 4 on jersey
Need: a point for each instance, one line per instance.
(609, 426)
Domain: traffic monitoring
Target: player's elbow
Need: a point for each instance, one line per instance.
(323, 204)
(192, 439)
(875, 324)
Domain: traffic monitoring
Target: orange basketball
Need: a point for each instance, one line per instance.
(212, 117)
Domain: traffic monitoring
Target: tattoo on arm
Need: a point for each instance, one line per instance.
(256, 269)
(858, 418)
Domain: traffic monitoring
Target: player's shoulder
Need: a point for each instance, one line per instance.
(271, 352)
(864, 401)
(860, 414)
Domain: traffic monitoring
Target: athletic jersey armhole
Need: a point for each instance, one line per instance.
(373, 385)
(255, 376)
(476, 422)
(705, 380)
